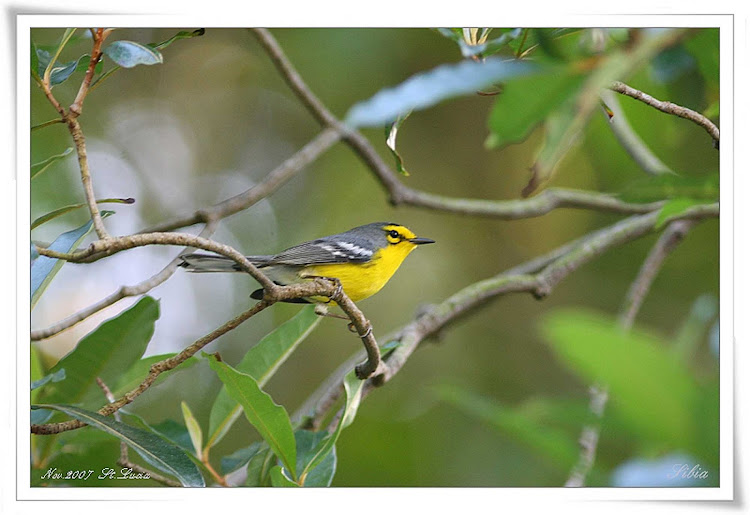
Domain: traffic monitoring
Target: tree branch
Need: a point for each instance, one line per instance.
(538, 277)
(401, 194)
(272, 182)
(122, 293)
(669, 108)
(629, 140)
(589, 438)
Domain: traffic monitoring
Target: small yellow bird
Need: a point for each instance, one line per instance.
(363, 259)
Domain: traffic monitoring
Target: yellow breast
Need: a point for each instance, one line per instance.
(360, 281)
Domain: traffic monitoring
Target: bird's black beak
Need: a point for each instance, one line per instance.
(421, 241)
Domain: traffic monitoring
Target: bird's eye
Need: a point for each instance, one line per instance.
(394, 234)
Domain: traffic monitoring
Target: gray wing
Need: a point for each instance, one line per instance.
(322, 251)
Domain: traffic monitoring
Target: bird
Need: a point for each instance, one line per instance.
(362, 260)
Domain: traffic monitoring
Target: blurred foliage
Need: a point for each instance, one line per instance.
(211, 117)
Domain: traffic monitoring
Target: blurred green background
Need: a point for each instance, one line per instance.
(216, 117)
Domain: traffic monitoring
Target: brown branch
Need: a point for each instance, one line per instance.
(124, 460)
(76, 108)
(401, 194)
(538, 277)
(589, 438)
(318, 287)
(272, 182)
(122, 293)
(669, 108)
(156, 370)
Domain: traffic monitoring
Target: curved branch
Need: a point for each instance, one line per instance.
(401, 194)
(538, 277)
(272, 182)
(122, 293)
(668, 107)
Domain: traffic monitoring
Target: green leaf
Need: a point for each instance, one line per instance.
(279, 478)
(129, 54)
(308, 443)
(61, 72)
(35, 62)
(704, 47)
(675, 207)
(259, 467)
(239, 458)
(155, 450)
(63, 210)
(51, 63)
(194, 429)
(353, 388)
(428, 88)
(564, 125)
(105, 352)
(54, 377)
(156, 47)
(168, 429)
(44, 268)
(557, 446)
(391, 131)
(270, 419)
(653, 393)
(38, 168)
(261, 362)
(183, 34)
(140, 369)
(669, 186)
(527, 102)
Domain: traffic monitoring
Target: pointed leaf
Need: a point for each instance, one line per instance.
(54, 377)
(239, 458)
(391, 131)
(194, 429)
(526, 102)
(67, 209)
(44, 269)
(279, 478)
(428, 88)
(654, 393)
(38, 168)
(51, 63)
(129, 54)
(105, 352)
(183, 34)
(155, 450)
(353, 388)
(308, 443)
(270, 419)
(261, 362)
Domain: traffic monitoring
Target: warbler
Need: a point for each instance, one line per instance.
(363, 259)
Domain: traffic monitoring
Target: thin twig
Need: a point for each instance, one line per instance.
(629, 139)
(272, 182)
(669, 108)
(589, 438)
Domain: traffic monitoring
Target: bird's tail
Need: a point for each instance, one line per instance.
(211, 263)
